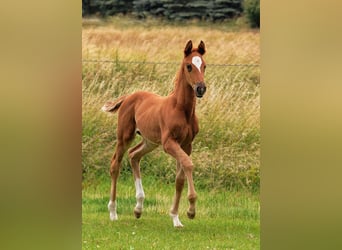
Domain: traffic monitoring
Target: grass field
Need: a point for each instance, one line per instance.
(224, 220)
(226, 152)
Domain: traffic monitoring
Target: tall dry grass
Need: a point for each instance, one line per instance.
(226, 151)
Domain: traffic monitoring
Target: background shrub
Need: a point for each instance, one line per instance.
(252, 12)
(171, 10)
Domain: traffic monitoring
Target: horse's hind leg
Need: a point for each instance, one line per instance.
(124, 139)
(135, 155)
(114, 173)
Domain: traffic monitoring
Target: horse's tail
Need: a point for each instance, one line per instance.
(112, 107)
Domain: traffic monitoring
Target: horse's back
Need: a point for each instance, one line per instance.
(133, 102)
(145, 101)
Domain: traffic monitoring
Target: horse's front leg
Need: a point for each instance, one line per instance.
(192, 196)
(180, 179)
(173, 148)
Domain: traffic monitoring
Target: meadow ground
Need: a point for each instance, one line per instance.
(224, 220)
(121, 56)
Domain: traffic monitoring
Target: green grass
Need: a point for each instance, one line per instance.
(224, 220)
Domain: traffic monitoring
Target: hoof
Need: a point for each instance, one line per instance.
(191, 215)
(137, 213)
(113, 216)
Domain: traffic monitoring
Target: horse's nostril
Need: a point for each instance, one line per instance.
(200, 89)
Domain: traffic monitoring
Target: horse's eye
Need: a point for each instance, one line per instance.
(189, 67)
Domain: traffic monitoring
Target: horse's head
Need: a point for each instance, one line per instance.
(194, 67)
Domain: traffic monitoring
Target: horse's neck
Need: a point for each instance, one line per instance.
(184, 95)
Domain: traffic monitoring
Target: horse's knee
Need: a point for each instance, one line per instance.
(133, 157)
(187, 165)
(114, 169)
(167, 147)
(192, 198)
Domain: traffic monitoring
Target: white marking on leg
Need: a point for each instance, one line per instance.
(112, 210)
(197, 61)
(175, 220)
(139, 195)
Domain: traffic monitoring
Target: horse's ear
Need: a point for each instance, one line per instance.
(188, 48)
(201, 48)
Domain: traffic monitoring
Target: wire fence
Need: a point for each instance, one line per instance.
(128, 71)
(118, 75)
(165, 63)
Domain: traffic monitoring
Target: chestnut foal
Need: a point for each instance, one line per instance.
(168, 121)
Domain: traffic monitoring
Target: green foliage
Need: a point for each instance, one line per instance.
(106, 7)
(182, 10)
(172, 10)
(252, 11)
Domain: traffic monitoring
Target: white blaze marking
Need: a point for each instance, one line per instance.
(197, 61)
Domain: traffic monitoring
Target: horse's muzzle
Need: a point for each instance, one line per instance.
(200, 89)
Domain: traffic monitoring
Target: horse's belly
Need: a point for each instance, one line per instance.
(147, 120)
(150, 133)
